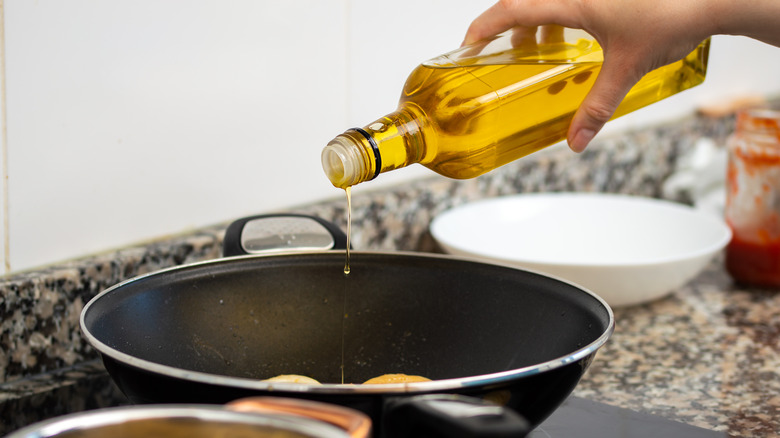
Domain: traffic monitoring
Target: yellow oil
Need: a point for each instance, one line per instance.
(348, 192)
(463, 115)
(347, 270)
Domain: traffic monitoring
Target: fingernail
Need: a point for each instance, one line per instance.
(581, 139)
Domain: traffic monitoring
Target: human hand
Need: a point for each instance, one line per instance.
(637, 36)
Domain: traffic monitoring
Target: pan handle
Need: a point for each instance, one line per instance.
(449, 415)
(273, 233)
(355, 423)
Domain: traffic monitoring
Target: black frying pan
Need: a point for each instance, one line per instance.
(209, 332)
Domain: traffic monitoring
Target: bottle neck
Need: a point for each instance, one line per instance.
(360, 154)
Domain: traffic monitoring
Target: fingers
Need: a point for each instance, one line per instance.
(491, 22)
(611, 86)
(507, 14)
(621, 70)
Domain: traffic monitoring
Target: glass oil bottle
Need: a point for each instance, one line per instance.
(484, 105)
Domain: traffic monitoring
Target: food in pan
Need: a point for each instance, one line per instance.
(395, 378)
(381, 380)
(293, 378)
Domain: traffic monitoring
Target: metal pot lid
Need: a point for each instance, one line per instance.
(193, 421)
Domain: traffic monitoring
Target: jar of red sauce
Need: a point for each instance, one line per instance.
(753, 198)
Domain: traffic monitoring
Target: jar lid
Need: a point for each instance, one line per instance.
(759, 121)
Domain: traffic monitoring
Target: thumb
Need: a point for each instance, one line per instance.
(610, 87)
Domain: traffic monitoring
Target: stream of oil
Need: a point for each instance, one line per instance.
(347, 270)
(348, 191)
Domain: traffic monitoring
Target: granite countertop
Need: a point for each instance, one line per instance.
(706, 355)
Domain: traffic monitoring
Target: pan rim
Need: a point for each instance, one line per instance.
(336, 388)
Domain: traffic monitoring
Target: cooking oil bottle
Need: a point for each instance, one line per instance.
(484, 105)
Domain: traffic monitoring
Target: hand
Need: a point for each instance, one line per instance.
(637, 36)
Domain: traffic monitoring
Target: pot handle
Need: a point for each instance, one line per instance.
(448, 415)
(273, 233)
(355, 423)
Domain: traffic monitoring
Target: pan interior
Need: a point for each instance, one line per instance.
(257, 317)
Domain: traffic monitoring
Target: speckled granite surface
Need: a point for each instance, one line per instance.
(707, 355)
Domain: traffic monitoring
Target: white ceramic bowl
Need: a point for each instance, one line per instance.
(628, 250)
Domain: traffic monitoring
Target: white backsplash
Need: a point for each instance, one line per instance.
(128, 120)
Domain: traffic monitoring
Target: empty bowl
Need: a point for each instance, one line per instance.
(626, 249)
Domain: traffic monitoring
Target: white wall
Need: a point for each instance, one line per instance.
(132, 119)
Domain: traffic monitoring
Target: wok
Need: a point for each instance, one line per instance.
(210, 332)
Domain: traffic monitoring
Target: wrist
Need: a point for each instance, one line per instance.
(755, 19)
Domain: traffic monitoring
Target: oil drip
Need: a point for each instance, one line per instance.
(347, 269)
(348, 191)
